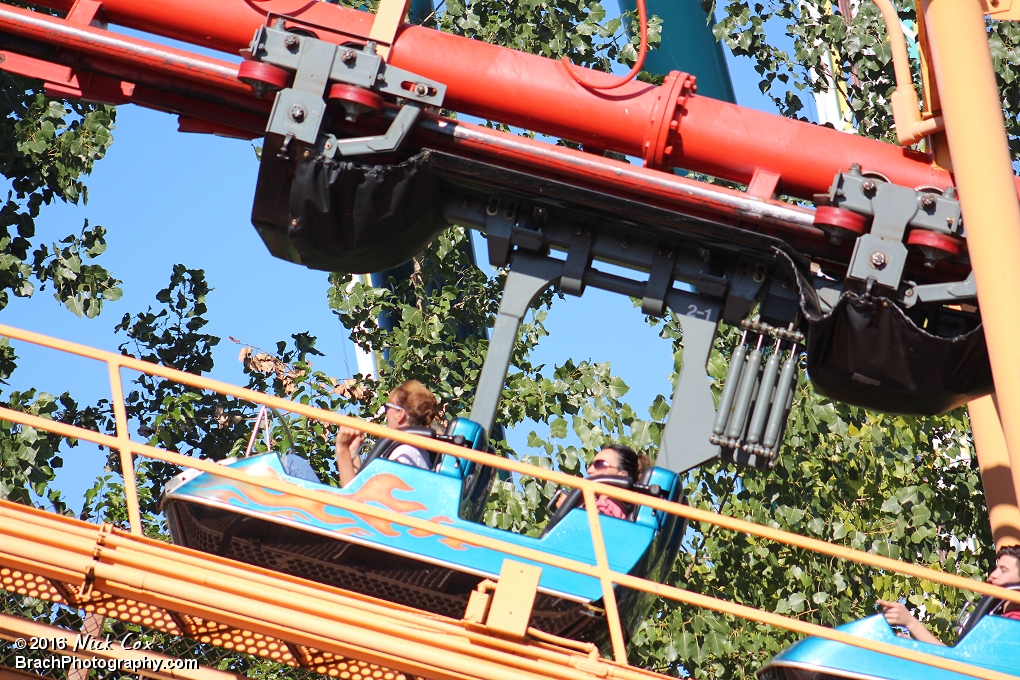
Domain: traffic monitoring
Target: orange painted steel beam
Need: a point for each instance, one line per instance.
(32, 536)
(146, 554)
(463, 536)
(213, 90)
(127, 464)
(14, 627)
(32, 539)
(215, 596)
(982, 162)
(663, 124)
(605, 576)
(999, 479)
(207, 96)
(282, 607)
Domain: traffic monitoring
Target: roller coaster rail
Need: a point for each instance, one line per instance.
(36, 543)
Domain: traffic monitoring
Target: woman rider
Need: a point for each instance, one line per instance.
(615, 460)
(410, 406)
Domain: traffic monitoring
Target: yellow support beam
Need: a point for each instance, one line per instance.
(255, 611)
(998, 479)
(388, 17)
(286, 620)
(983, 170)
(1002, 10)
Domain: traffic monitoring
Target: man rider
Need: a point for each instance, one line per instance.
(410, 406)
(1006, 573)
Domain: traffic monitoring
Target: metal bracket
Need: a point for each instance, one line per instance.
(881, 254)
(781, 302)
(957, 291)
(521, 234)
(685, 439)
(578, 261)
(300, 110)
(498, 226)
(505, 607)
(385, 143)
(745, 282)
(660, 280)
(529, 275)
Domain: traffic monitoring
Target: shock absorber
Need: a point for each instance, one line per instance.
(757, 396)
(730, 387)
(745, 393)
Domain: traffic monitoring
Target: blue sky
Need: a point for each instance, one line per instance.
(168, 198)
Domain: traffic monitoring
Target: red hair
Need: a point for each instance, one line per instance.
(418, 401)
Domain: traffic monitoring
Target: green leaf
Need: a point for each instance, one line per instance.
(891, 505)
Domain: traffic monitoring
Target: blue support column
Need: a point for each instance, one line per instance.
(419, 11)
(688, 45)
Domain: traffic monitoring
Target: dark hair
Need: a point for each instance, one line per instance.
(630, 462)
(418, 401)
(1009, 551)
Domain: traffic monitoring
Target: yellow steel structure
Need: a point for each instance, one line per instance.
(999, 481)
(388, 17)
(124, 575)
(963, 120)
(910, 127)
(982, 166)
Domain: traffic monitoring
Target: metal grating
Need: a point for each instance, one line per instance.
(210, 641)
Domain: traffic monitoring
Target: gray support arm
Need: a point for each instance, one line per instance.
(529, 275)
(685, 440)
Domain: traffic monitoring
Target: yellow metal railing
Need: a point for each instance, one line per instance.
(601, 570)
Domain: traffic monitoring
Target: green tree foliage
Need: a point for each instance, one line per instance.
(576, 29)
(797, 46)
(169, 415)
(28, 456)
(46, 149)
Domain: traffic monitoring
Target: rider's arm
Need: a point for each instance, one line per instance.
(348, 441)
(897, 615)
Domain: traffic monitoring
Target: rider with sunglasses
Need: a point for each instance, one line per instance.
(412, 406)
(616, 460)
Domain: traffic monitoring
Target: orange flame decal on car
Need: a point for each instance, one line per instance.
(446, 540)
(354, 531)
(378, 489)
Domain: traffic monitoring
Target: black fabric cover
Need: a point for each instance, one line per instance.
(866, 351)
(345, 216)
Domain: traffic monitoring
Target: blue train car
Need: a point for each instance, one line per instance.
(985, 640)
(419, 569)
